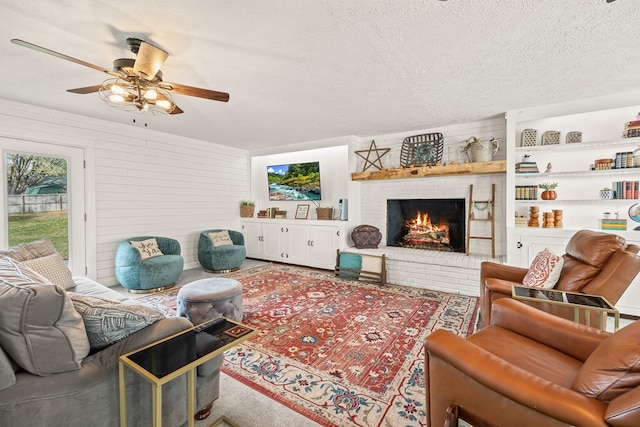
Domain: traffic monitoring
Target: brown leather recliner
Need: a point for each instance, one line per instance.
(531, 368)
(595, 263)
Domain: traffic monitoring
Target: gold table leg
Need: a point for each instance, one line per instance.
(123, 398)
(156, 397)
(191, 400)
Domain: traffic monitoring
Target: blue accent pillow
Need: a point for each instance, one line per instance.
(352, 261)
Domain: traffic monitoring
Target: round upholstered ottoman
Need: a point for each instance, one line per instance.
(207, 299)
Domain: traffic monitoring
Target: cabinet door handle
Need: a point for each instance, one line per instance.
(308, 242)
(338, 233)
(519, 245)
(312, 243)
(282, 229)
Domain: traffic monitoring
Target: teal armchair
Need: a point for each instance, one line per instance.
(151, 274)
(221, 259)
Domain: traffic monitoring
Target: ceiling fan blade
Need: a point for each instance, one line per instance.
(196, 91)
(63, 56)
(149, 60)
(176, 110)
(85, 90)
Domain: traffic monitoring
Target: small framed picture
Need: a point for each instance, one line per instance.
(302, 211)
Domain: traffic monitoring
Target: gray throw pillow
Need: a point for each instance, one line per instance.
(39, 328)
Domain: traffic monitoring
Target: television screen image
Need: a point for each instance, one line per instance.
(294, 181)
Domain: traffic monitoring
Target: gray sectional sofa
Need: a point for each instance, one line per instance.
(60, 342)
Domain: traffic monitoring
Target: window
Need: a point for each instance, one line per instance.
(44, 194)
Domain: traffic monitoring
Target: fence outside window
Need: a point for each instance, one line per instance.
(29, 203)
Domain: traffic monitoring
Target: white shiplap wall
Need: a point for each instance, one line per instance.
(142, 182)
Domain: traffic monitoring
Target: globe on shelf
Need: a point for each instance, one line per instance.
(634, 214)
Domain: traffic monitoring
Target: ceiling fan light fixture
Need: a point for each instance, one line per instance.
(132, 96)
(115, 98)
(116, 89)
(151, 94)
(165, 103)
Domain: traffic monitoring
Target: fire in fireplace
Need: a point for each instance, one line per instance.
(435, 224)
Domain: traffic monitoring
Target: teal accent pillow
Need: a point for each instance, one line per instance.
(352, 261)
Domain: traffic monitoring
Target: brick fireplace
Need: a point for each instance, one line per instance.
(448, 271)
(432, 224)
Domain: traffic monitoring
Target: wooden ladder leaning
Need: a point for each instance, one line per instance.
(482, 204)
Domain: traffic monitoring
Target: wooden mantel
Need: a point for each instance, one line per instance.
(478, 168)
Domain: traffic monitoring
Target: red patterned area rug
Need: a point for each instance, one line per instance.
(163, 301)
(339, 351)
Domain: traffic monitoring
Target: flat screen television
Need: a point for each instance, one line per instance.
(294, 181)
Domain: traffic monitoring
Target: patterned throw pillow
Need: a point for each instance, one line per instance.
(147, 248)
(544, 271)
(220, 238)
(30, 250)
(53, 268)
(108, 321)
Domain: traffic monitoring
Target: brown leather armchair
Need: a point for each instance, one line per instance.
(531, 368)
(595, 263)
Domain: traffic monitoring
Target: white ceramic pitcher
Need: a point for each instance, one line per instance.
(482, 151)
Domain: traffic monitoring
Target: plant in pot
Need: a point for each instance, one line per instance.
(606, 193)
(549, 190)
(246, 208)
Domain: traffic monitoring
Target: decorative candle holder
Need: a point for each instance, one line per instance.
(534, 214)
(557, 218)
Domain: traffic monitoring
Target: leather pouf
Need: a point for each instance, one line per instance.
(366, 236)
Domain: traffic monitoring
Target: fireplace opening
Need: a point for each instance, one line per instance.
(434, 224)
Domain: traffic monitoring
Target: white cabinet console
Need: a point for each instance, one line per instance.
(302, 242)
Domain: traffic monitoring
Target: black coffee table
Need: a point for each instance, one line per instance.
(553, 301)
(167, 359)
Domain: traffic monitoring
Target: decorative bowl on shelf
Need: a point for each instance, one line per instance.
(607, 194)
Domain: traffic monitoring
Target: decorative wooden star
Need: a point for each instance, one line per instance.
(372, 149)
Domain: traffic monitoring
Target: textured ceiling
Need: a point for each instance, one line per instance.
(308, 70)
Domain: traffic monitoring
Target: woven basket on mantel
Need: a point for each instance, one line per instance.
(324, 213)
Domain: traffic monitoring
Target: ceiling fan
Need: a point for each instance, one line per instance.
(136, 84)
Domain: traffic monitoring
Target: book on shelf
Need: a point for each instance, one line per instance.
(626, 189)
(527, 167)
(624, 160)
(526, 192)
(631, 133)
(613, 224)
